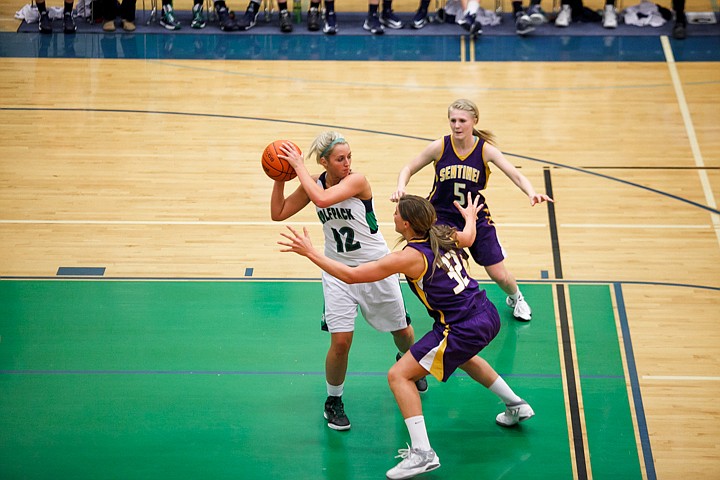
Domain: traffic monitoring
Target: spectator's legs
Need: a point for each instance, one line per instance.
(680, 28)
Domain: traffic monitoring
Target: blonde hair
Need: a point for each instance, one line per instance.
(468, 106)
(324, 144)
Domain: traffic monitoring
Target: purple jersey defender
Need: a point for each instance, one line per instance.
(465, 320)
(455, 176)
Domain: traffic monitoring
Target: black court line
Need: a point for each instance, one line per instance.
(572, 387)
(362, 130)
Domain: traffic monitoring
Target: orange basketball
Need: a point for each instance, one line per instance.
(275, 167)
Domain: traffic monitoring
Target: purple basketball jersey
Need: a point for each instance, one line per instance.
(447, 293)
(455, 176)
(465, 320)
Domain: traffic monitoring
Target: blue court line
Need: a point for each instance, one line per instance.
(344, 128)
(635, 384)
(81, 271)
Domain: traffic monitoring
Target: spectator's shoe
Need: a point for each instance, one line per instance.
(514, 414)
(523, 24)
(537, 16)
(564, 17)
(420, 19)
(521, 309)
(313, 19)
(198, 20)
(45, 24)
(249, 20)
(335, 414)
(69, 23)
(167, 19)
(286, 25)
(225, 21)
(475, 26)
(109, 26)
(467, 21)
(128, 26)
(421, 384)
(414, 462)
(679, 31)
(330, 27)
(609, 17)
(390, 20)
(372, 25)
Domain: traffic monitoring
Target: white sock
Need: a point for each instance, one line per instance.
(516, 295)
(472, 7)
(335, 390)
(502, 390)
(418, 433)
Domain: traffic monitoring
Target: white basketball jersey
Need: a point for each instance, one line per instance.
(351, 231)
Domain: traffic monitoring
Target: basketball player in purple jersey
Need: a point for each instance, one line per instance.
(462, 165)
(465, 321)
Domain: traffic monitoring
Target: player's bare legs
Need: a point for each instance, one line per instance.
(401, 378)
(404, 338)
(336, 363)
(515, 300)
(403, 341)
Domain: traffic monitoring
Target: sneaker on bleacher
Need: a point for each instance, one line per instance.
(45, 24)
(249, 20)
(610, 17)
(225, 21)
(313, 19)
(69, 23)
(372, 24)
(420, 19)
(390, 20)
(537, 16)
(564, 17)
(167, 19)
(286, 25)
(523, 23)
(198, 19)
(330, 27)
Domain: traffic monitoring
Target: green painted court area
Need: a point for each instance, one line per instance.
(210, 379)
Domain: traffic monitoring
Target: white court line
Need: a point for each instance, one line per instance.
(201, 223)
(633, 225)
(683, 378)
(690, 129)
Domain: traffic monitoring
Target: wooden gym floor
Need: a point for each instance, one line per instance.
(149, 327)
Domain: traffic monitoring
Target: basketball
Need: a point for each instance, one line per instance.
(275, 167)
